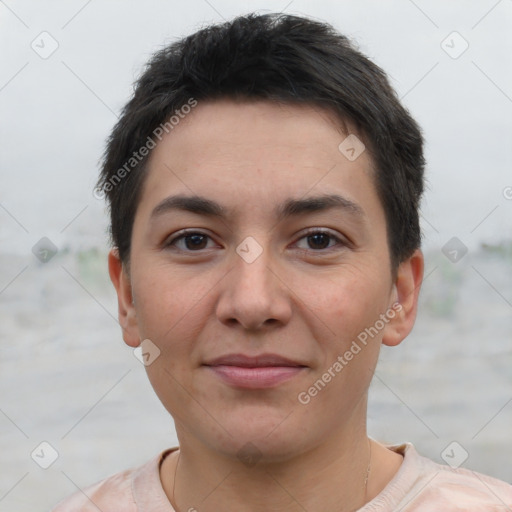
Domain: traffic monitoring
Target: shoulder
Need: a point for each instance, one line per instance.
(432, 487)
(114, 493)
(114, 490)
(470, 490)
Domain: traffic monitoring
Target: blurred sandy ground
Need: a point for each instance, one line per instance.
(67, 378)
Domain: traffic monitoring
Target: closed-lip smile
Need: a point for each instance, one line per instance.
(254, 372)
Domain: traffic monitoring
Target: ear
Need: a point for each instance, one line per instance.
(404, 301)
(126, 309)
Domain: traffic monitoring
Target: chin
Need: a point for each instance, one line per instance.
(260, 451)
(261, 436)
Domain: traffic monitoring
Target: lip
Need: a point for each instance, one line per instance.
(254, 372)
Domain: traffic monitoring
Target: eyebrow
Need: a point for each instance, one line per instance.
(292, 207)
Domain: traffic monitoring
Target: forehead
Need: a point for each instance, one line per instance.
(254, 154)
(249, 128)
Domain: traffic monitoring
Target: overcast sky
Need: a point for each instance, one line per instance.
(56, 110)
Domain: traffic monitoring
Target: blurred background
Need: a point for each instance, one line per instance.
(66, 378)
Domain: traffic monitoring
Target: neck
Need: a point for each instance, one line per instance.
(331, 476)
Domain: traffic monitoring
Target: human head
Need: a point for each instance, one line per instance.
(282, 58)
(264, 167)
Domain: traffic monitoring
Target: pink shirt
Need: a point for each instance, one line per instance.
(420, 485)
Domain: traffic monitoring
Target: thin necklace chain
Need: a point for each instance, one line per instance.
(367, 472)
(174, 481)
(367, 475)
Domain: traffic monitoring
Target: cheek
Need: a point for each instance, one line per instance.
(351, 353)
(166, 302)
(169, 314)
(172, 309)
(349, 303)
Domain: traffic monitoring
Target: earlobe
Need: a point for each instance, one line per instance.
(126, 308)
(405, 292)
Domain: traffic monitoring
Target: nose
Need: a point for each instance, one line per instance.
(254, 295)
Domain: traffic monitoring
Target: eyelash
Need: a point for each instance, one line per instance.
(312, 231)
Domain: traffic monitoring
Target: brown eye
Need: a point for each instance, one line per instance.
(191, 241)
(319, 240)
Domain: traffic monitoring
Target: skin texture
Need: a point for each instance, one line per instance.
(296, 299)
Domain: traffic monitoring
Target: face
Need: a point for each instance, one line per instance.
(254, 293)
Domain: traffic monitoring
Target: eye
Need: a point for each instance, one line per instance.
(189, 241)
(319, 239)
(316, 240)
